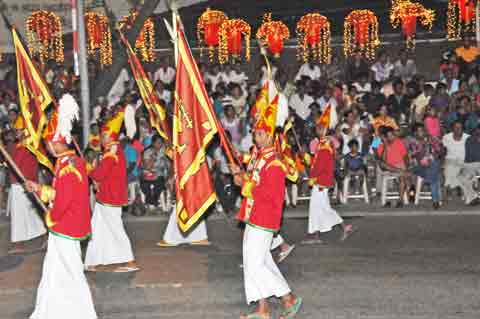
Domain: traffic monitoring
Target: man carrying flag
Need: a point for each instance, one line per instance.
(321, 216)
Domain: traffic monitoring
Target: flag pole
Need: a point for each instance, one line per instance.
(19, 173)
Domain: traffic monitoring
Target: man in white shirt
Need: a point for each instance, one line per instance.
(119, 86)
(404, 67)
(164, 94)
(351, 129)
(310, 70)
(382, 69)
(164, 74)
(454, 143)
(301, 101)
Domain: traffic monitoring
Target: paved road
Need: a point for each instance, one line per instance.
(393, 267)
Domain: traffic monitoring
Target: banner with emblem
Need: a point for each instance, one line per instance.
(34, 98)
(156, 112)
(194, 126)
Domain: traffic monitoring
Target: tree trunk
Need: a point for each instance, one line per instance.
(105, 79)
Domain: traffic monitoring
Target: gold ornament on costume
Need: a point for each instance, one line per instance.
(272, 34)
(145, 43)
(208, 30)
(44, 35)
(99, 37)
(231, 32)
(406, 14)
(314, 38)
(361, 32)
(461, 18)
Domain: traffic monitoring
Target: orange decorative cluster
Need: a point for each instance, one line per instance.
(272, 34)
(231, 32)
(361, 32)
(406, 14)
(145, 43)
(460, 18)
(44, 35)
(314, 37)
(99, 37)
(208, 28)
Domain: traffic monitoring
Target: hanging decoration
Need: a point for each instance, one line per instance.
(314, 37)
(460, 18)
(208, 27)
(145, 43)
(99, 37)
(361, 32)
(406, 14)
(44, 36)
(230, 44)
(273, 34)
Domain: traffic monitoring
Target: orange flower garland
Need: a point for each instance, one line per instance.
(44, 35)
(231, 32)
(208, 28)
(460, 18)
(145, 43)
(314, 37)
(99, 37)
(273, 33)
(406, 13)
(361, 32)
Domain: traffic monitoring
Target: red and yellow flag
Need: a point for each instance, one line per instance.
(157, 112)
(34, 98)
(194, 126)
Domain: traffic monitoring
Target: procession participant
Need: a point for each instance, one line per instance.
(110, 244)
(321, 216)
(63, 291)
(264, 191)
(26, 224)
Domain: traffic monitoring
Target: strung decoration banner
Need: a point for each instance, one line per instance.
(314, 37)
(99, 37)
(273, 34)
(406, 14)
(230, 44)
(361, 32)
(145, 43)
(44, 36)
(208, 30)
(460, 18)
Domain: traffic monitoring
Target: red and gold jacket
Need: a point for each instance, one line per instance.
(264, 191)
(111, 177)
(322, 170)
(26, 162)
(69, 213)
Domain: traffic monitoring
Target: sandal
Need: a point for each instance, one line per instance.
(91, 269)
(163, 243)
(255, 315)
(292, 311)
(346, 233)
(124, 269)
(284, 254)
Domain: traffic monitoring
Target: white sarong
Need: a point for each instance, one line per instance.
(110, 243)
(63, 291)
(26, 224)
(261, 275)
(321, 216)
(174, 236)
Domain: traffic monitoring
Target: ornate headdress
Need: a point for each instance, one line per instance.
(59, 128)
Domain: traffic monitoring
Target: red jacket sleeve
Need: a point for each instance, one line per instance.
(64, 193)
(271, 182)
(103, 170)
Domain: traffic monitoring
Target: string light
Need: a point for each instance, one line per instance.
(273, 33)
(361, 32)
(231, 31)
(208, 27)
(44, 36)
(314, 38)
(145, 42)
(461, 18)
(99, 37)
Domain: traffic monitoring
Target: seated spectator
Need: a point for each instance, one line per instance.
(420, 103)
(362, 85)
(334, 70)
(350, 97)
(133, 158)
(375, 99)
(467, 53)
(440, 100)
(301, 101)
(452, 83)
(398, 103)
(432, 123)
(164, 74)
(382, 69)
(449, 62)
(383, 119)
(405, 68)
(156, 171)
(354, 159)
(310, 70)
(393, 156)
(237, 76)
(163, 93)
(426, 153)
(454, 144)
(471, 168)
(213, 76)
(356, 66)
(351, 129)
(238, 99)
(231, 123)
